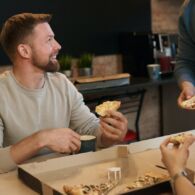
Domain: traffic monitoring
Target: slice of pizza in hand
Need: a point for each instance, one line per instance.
(189, 104)
(179, 138)
(102, 109)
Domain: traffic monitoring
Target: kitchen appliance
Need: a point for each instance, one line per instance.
(140, 49)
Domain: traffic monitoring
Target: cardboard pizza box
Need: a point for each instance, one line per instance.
(49, 177)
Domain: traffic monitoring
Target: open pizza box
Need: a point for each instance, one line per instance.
(48, 177)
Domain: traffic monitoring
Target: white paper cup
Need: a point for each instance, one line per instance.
(154, 71)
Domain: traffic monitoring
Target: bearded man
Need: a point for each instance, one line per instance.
(41, 110)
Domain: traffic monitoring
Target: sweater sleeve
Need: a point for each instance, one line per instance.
(185, 60)
(6, 161)
(82, 120)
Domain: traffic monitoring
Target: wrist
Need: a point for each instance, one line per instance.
(103, 141)
(175, 170)
(41, 139)
(181, 173)
(106, 142)
(179, 176)
(186, 85)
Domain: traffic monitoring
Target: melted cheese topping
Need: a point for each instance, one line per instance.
(108, 105)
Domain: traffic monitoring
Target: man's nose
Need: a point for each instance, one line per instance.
(57, 45)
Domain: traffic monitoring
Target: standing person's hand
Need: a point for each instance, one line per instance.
(113, 127)
(187, 92)
(175, 157)
(63, 140)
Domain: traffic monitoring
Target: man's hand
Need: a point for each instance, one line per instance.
(175, 157)
(187, 92)
(63, 140)
(114, 128)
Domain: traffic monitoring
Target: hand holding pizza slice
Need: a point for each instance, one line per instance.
(189, 104)
(113, 125)
(179, 138)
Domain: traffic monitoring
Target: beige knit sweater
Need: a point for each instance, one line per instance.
(22, 111)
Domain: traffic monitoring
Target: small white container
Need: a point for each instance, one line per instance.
(114, 174)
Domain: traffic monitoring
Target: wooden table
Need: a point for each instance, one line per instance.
(11, 185)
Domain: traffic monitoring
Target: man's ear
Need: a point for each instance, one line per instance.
(24, 50)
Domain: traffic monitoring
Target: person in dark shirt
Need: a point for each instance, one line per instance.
(185, 60)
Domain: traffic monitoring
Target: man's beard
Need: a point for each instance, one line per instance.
(51, 66)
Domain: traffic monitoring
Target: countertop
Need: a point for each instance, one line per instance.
(136, 83)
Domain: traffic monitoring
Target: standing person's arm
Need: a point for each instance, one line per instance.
(185, 60)
(175, 160)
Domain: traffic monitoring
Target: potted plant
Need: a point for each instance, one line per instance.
(65, 62)
(85, 64)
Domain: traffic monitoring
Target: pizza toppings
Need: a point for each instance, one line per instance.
(147, 179)
(189, 104)
(101, 189)
(179, 138)
(105, 106)
(81, 190)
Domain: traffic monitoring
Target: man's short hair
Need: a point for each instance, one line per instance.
(16, 29)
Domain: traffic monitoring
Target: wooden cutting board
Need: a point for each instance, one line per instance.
(101, 78)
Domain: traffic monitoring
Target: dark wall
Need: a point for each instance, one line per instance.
(85, 25)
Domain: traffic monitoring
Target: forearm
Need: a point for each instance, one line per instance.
(186, 84)
(185, 59)
(183, 186)
(102, 141)
(184, 72)
(27, 147)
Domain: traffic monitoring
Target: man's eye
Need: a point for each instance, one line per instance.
(50, 39)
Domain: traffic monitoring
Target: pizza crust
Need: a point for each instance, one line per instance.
(189, 104)
(149, 178)
(102, 109)
(101, 189)
(179, 138)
